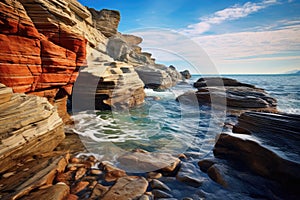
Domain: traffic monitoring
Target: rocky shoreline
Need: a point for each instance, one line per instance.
(54, 52)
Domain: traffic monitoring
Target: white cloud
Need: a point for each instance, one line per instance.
(250, 44)
(228, 14)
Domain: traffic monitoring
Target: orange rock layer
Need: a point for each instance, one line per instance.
(31, 61)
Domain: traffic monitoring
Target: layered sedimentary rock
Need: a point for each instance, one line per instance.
(39, 54)
(106, 21)
(116, 85)
(28, 125)
(271, 150)
(229, 94)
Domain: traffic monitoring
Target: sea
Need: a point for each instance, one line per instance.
(165, 125)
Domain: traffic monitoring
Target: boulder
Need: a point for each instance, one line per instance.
(130, 187)
(106, 21)
(186, 74)
(124, 48)
(108, 86)
(28, 125)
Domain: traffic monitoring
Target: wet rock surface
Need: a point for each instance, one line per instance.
(270, 150)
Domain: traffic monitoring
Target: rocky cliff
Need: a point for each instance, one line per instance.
(43, 45)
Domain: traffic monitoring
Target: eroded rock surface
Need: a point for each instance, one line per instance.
(28, 125)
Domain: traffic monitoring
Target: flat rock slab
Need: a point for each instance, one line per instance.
(145, 161)
(130, 187)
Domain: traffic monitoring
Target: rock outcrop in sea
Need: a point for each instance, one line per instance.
(230, 95)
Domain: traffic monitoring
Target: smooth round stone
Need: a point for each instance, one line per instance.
(154, 175)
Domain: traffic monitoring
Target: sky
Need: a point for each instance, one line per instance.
(214, 36)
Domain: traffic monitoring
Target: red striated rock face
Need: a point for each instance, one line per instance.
(36, 63)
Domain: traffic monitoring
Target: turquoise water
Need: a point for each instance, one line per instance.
(165, 125)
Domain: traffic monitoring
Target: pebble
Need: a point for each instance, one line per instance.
(156, 184)
(205, 164)
(145, 197)
(161, 194)
(79, 187)
(154, 175)
(182, 156)
(96, 172)
(72, 197)
(74, 160)
(80, 173)
(9, 174)
(92, 159)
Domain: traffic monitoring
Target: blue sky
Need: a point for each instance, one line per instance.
(238, 36)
